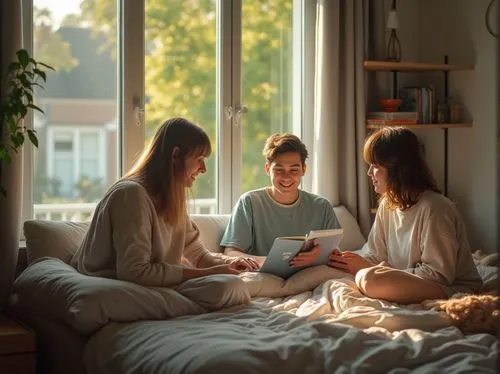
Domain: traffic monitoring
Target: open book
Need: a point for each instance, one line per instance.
(285, 248)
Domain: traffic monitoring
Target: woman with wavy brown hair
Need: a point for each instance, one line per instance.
(140, 231)
(417, 248)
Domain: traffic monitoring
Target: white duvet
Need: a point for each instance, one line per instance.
(324, 326)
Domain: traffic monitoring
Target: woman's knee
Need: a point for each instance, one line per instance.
(371, 281)
(364, 278)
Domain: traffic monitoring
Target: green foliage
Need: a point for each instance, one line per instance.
(49, 46)
(20, 82)
(90, 189)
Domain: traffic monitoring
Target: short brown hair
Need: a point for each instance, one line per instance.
(278, 144)
(398, 150)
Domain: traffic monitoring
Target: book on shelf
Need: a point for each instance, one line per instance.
(421, 100)
(285, 248)
(392, 115)
(391, 122)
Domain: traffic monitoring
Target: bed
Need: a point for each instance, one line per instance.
(314, 322)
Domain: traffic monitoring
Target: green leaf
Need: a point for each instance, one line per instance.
(12, 124)
(3, 152)
(15, 141)
(47, 66)
(23, 57)
(33, 138)
(29, 97)
(20, 138)
(3, 192)
(34, 107)
(41, 73)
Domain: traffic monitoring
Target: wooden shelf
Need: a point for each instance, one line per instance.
(425, 126)
(412, 66)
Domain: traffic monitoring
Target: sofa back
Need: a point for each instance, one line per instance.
(61, 239)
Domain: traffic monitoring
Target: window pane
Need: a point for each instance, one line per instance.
(180, 65)
(266, 80)
(78, 132)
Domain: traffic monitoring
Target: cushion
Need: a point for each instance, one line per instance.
(212, 228)
(53, 239)
(353, 238)
(55, 290)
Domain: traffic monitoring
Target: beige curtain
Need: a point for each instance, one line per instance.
(340, 98)
(10, 176)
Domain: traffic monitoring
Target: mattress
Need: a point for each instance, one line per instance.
(269, 337)
(317, 321)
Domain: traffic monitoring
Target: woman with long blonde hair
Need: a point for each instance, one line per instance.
(140, 231)
(417, 248)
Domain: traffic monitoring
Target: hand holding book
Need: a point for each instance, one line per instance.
(291, 254)
(309, 253)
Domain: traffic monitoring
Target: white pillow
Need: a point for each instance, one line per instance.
(211, 228)
(53, 239)
(353, 238)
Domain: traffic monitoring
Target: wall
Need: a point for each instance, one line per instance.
(429, 29)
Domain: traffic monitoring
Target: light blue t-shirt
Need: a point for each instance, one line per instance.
(257, 220)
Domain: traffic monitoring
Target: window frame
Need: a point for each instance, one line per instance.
(76, 132)
(131, 84)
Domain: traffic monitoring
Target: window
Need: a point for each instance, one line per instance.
(229, 65)
(76, 158)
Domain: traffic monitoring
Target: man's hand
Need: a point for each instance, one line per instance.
(244, 264)
(304, 258)
(347, 261)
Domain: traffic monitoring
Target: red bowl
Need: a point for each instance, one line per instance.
(390, 105)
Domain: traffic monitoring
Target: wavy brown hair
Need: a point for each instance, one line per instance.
(162, 173)
(278, 144)
(398, 150)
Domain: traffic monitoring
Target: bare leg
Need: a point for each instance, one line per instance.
(398, 286)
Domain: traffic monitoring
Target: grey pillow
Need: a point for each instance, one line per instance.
(53, 239)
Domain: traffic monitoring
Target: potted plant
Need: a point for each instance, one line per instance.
(21, 80)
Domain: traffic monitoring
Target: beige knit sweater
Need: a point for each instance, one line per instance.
(127, 240)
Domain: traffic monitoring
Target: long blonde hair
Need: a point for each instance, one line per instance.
(162, 172)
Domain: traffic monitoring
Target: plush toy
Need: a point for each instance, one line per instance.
(471, 313)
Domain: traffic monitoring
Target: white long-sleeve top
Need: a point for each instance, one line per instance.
(127, 240)
(429, 240)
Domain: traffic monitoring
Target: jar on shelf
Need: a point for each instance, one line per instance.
(442, 112)
(455, 112)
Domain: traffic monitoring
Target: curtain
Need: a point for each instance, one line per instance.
(10, 176)
(338, 130)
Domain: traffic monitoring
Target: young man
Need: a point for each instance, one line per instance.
(282, 209)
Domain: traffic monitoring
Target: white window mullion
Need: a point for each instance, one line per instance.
(308, 65)
(298, 71)
(130, 80)
(224, 107)
(236, 99)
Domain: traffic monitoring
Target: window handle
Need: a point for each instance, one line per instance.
(138, 112)
(238, 111)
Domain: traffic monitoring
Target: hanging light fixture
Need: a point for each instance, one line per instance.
(393, 52)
